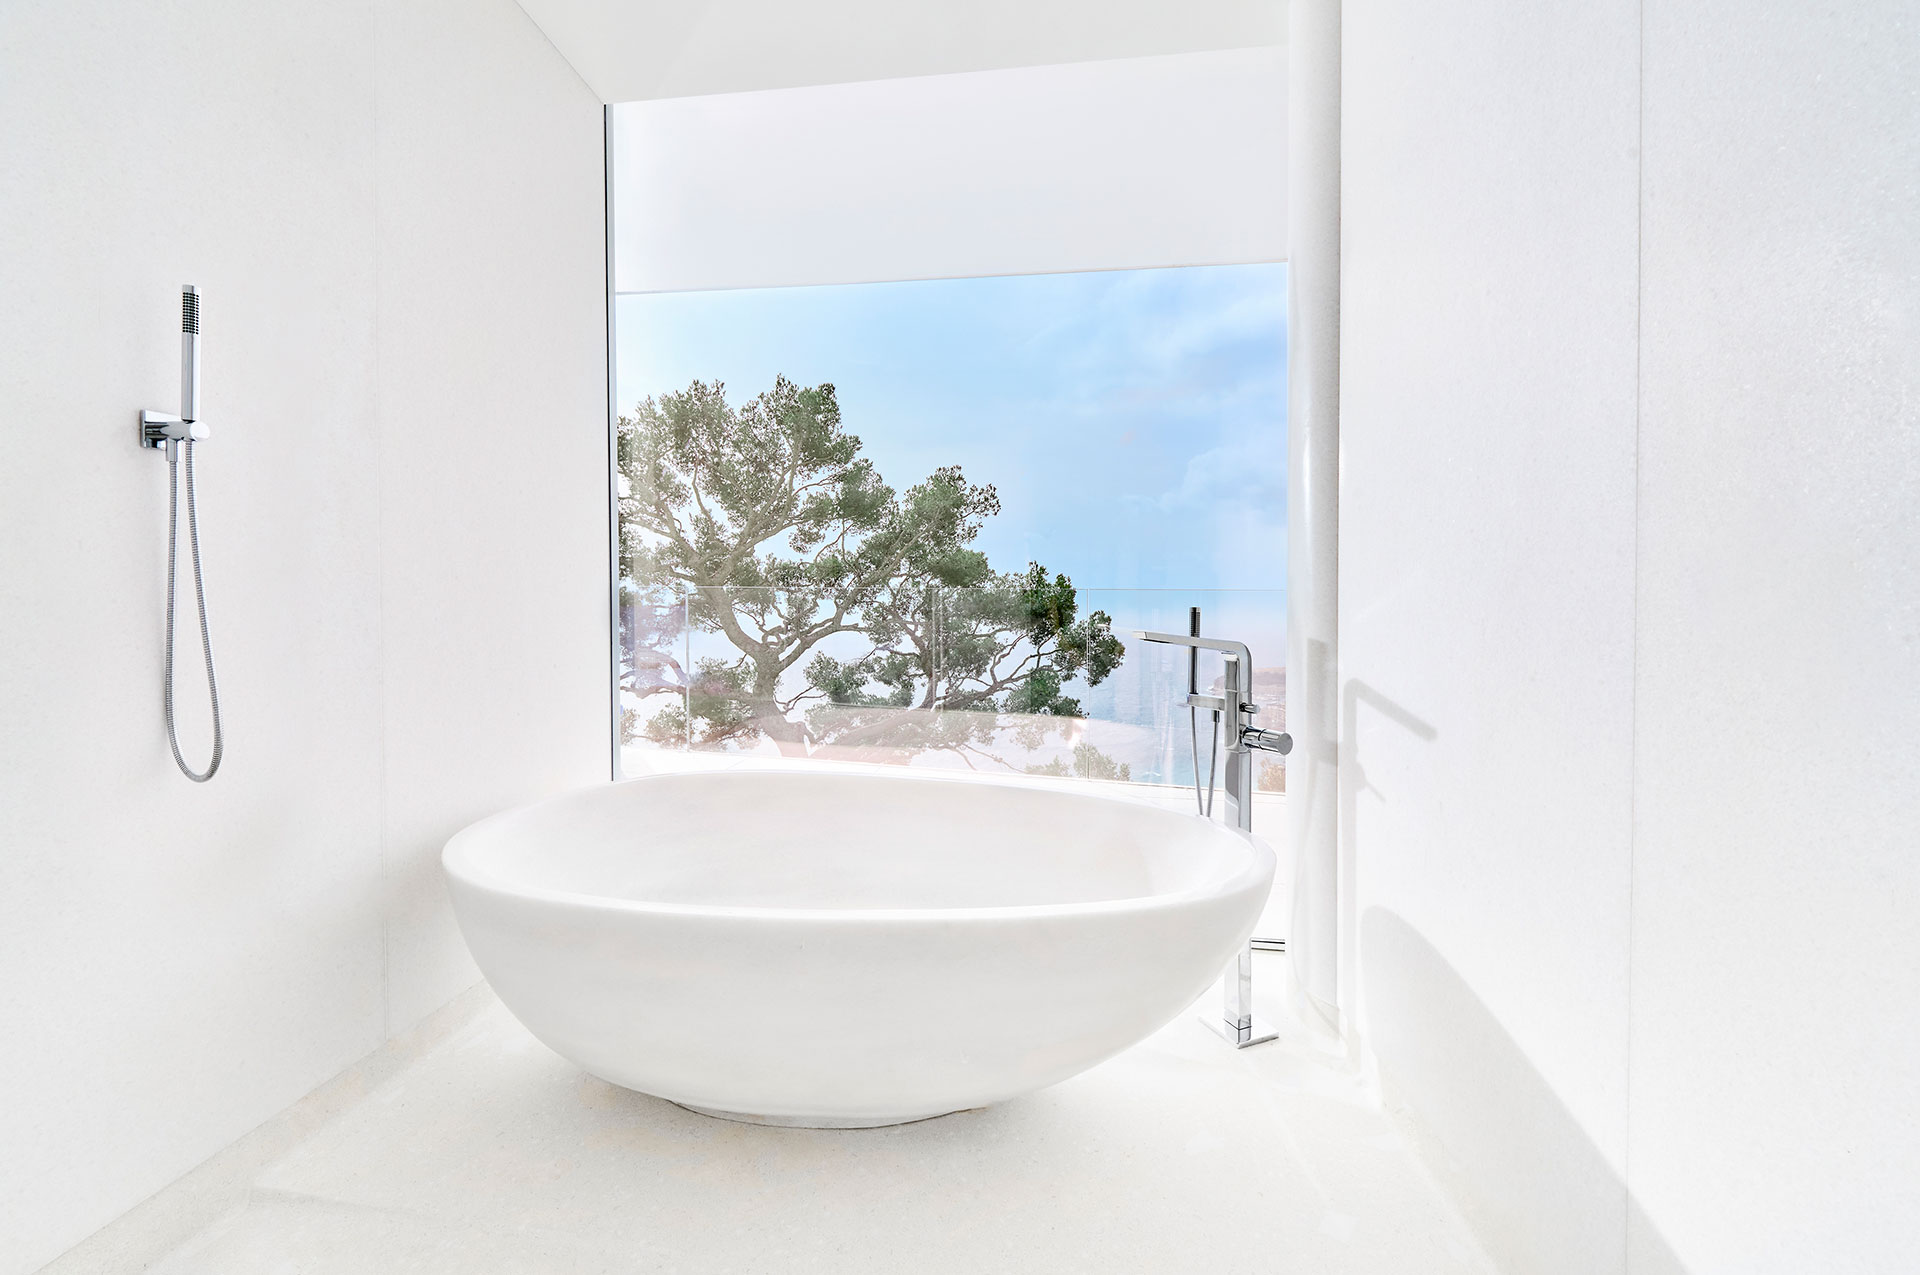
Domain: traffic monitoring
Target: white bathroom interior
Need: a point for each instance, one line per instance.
(1223, 636)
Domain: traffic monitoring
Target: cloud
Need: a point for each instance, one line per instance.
(1249, 473)
(1170, 340)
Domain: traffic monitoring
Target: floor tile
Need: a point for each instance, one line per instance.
(295, 1236)
(491, 1153)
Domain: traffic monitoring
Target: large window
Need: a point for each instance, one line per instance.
(918, 522)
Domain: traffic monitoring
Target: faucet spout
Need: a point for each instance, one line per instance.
(1221, 645)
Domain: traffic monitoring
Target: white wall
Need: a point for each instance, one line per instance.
(493, 450)
(179, 962)
(630, 50)
(1776, 891)
(1486, 597)
(1123, 164)
(1630, 655)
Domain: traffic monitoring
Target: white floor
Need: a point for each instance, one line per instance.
(488, 1153)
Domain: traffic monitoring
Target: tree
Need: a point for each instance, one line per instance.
(1088, 763)
(650, 620)
(782, 536)
(1009, 644)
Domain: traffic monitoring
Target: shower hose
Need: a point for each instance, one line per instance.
(200, 596)
(1213, 758)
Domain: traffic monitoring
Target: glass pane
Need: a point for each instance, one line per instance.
(859, 523)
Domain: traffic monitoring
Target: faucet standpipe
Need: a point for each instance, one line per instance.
(1233, 709)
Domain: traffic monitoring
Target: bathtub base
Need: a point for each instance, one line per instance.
(810, 1122)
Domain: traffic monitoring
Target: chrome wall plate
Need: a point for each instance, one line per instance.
(153, 427)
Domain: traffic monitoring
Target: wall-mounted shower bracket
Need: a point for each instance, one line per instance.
(157, 429)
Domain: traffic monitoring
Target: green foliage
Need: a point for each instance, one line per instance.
(667, 728)
(1088, 763)
(782, 535)
(719, 699)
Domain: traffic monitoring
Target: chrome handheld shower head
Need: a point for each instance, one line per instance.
(159, 430)
(1193, 652)
(189, 353)
(176, 435)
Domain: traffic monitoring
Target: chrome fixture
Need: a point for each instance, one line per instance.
(178, 434)
(1233, 709)
(1204, 808)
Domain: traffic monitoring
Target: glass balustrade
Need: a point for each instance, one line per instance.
(1028, 677)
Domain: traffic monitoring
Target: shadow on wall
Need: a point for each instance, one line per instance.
(1541, 1193)
(1353, 780)
(1313, 781)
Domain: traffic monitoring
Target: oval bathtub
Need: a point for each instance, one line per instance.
(848, 949)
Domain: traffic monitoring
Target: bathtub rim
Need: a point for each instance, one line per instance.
(1261, 861)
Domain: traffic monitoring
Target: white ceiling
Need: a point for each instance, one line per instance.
(634, 50)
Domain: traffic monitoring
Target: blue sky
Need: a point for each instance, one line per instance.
(1133, 421)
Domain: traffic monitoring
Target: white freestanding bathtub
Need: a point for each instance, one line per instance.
(844, 950)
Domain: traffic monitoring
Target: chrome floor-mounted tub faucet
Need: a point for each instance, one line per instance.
(1232, 710)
